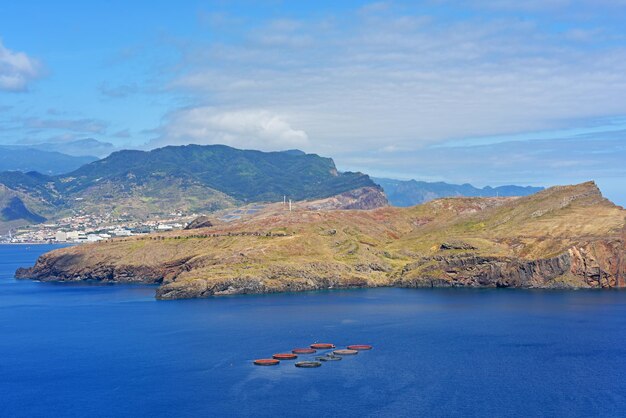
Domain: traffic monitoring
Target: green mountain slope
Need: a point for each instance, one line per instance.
(189, 178)
(243, 174)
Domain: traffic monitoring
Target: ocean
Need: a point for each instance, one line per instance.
(74, 350)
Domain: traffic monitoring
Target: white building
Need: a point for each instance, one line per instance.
(119, 232)
(74, 235)
(94, 238)
(71, 236)
(60, 236)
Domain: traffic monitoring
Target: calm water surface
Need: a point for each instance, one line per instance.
(97, 350)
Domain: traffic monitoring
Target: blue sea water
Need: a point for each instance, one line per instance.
(114, 351)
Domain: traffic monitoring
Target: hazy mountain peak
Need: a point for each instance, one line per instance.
(414, 192)
(27, 158)
(78, 148)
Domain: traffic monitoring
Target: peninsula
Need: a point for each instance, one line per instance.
(562, 237)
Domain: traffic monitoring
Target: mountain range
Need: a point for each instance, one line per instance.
(186, 179)
(31, 158)
(412, 192)
(192, 179)
(78, 147)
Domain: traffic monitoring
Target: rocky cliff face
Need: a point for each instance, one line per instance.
(594, 265)
(52, 267)
(277, 278)
(364, 198)
(600, 264)
(200, 222)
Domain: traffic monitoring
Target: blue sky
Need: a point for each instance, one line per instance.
(487, 92)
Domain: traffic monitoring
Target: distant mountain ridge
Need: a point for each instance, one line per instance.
(78, 147)
(405, 193)
(189, 179)
(26, 158)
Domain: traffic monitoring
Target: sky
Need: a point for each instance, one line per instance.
(488, 92)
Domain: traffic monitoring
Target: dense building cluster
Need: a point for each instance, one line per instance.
(90, 228)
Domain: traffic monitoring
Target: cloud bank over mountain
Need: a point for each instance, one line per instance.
(250, 128)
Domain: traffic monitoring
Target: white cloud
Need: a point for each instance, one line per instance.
(249, 128)
(546, 6)
(376, 87)
(17, 69)
(407, 80)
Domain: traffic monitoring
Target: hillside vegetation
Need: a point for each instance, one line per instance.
(561, 237)
(189, 179)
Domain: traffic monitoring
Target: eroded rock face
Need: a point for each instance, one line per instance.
(101, 272)
(364, 198)
(200, 222)
(70, 268)
(600, 264)
(456, 245)
(315, 276)
(477, 271)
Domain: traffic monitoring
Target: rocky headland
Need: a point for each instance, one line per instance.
(562, 237)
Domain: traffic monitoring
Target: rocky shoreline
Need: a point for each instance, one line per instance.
(595, 265)
(599, 264)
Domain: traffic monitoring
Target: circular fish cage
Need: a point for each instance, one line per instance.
(285, 356)
(322, 346)
(266, 362)
(328, 358)
(303, 351)
(308, 364)
(345, 352)
(360, 347)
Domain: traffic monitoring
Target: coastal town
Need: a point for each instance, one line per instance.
(92, 228)
(89, 228)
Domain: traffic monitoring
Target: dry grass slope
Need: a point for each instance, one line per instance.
(561, 237)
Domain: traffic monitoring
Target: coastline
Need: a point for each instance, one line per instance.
(37, 243)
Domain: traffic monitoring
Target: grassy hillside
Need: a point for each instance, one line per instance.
(564, 236)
